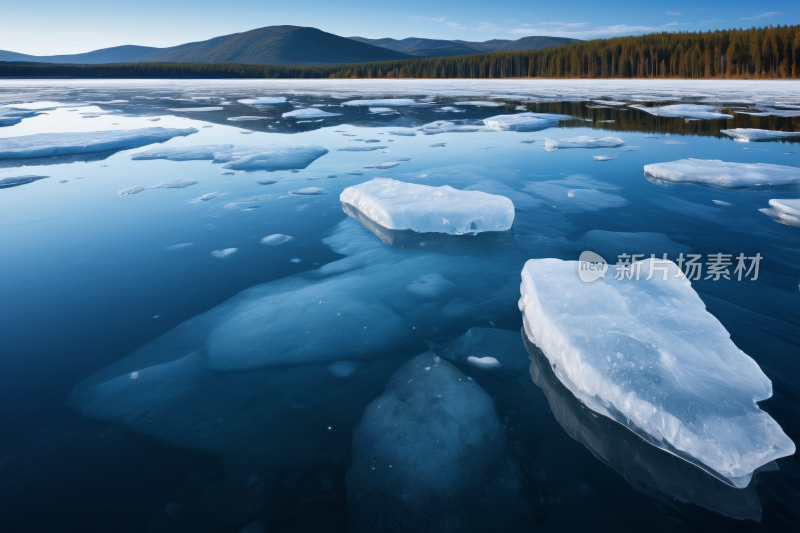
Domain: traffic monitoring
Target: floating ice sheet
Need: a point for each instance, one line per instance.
(400, 102)
(264, 100)
(716, 173)
(583, 141)
(55, 144)
(398, 205)
(246, 118)
(224, 253)
(444, 126)
(194, 109)
(10, 116)
(309, 112)
(361, 148)
(383, 111)
(747, 135)
(308, 191)
(269, 157)
(524, 121)
(647, 354)
(691, 111)
(16, 181)
(481, 103)
(276, 239)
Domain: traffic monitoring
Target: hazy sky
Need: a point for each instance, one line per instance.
(45, 27)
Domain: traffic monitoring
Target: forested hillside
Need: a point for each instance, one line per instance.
(763, 53)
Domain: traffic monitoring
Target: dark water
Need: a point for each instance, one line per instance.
(292, 441)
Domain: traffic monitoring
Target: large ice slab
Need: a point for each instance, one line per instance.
(583, 141)
(784, 211)
(270, 157)
(647, 354)
(748, 135)
(398, 205)
(691, 111)
(90, 142)
(722, 174)
(524, 121)
(309, 112)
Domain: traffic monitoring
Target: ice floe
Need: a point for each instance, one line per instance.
(482, 104)
(274, 240)
(16, 181)
(264, 100)
(524, 121)
(309, 112)
(583, 141)
(716, 173)
(224, 253)
(383, 111)
(401, 102)
(248, 158)
(398, 205)
(720, 202)
(308, 191)
(208, 197)
(266, 181)
(194, 109)
(784, 211)
(361, 148)
(178, 246)
(383, 165)
(691, 111)
(55, 144)
(132, 190)
(175, 184)
(444, 126)
(604, 157)
(747, 135)
(647, 354)
(404, 133)
(246, 118)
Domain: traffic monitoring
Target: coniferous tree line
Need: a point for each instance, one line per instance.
(760, 53)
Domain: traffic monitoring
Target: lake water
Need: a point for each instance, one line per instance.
(119, 415)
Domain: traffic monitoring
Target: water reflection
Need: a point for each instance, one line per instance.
(647, 468)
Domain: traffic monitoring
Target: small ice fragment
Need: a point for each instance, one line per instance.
(178, 246)
(746, 135)
(438, 145)
(583, 141)
(136, 189)
(482, 104)
(716, 173)
(264, 100)
(486, 363)
(307, 191)
(295, 260)
(604, 157)
(246, 118)
(311, 112)
(403, 133)
(720, 202)
(274, 240)
(381, 102)
(224, 253)
(266, 182)
(175, 184)
(524, 121)
(194, 109)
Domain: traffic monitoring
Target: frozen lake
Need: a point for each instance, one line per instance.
(198, 335)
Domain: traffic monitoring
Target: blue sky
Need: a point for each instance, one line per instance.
(57, 27)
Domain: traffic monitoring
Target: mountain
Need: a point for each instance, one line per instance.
(440, 48)
(117, 54)
(275, 45)
(422, 47)
(536, 43)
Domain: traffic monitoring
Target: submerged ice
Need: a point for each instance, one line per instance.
(784, 211)
(647, 354)
(398, 205)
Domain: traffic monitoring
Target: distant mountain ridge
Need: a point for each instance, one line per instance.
(418, 47)
(292, 45)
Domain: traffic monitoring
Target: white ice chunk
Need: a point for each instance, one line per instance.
(224, 253)
(381, 102)
(486, 363)
(482, 104)
(361, 148)
(175, 184)
(308, 191)
(604, 157)
(264, 100)
(383, 111)
(90, 142)
(309, 112)
(183, 153)
(136, 189)
(246, 118)
(404, 133)
(274, 240)
(451, 108)
(684, 111)
(398, 205)
(383, 165)
(784, 211)
(720, 202)
(722, 174)
(194, 109)
(583, 141)
(647, 354)
(524, 121)
(444, 126)
(747, 135)
(178, 246)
